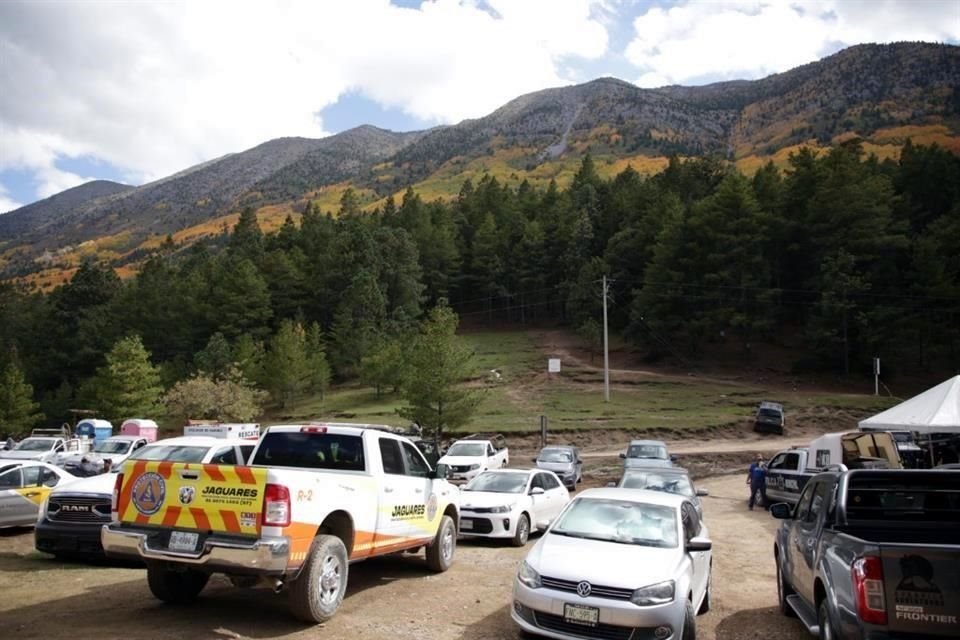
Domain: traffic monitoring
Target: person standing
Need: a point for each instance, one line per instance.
(757, 479)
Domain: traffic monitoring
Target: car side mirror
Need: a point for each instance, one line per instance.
(781, 511)
(703, 493)
(699, 544)
(612, 484)
(623, 456)
(442, 472)
(673, 458)
(536, 491)
(534, 460)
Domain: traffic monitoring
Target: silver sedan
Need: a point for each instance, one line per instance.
(617, 564)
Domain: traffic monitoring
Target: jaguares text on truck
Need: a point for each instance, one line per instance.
(315, 498)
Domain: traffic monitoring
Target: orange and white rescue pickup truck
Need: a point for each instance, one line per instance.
(314, 499)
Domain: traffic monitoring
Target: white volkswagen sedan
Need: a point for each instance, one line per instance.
(510, 503)
(617, 564)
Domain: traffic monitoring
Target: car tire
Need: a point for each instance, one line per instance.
(689, 623)
(705, 605)
(316, 594)
(823, 620)
(440, 551)
(522, 534)
(784, 590)
(175, 587)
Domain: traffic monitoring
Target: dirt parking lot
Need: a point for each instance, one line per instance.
(391, 599)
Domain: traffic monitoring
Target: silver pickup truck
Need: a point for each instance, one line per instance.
(872, 555)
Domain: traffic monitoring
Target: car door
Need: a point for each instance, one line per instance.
(557, 495)
(579, 464)
(793, 557)
(12, 503)
(805, 535)
(539, 501)
(422, 500)
(692, 527)
(393, 494)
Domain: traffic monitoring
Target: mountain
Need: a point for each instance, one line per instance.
(43, 212)
(883, 94)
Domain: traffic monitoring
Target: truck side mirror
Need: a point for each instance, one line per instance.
(442, 471)
(781, 511)
(623, 456)
(534, 460)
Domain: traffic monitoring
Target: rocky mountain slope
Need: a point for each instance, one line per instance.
(882, 93)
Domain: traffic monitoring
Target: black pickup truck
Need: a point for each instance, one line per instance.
(872, 555)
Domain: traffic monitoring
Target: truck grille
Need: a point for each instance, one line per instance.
(460, 468)
(597, 590)
(78, 509)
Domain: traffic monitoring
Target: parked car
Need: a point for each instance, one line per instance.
(617, 563)
(74, 513)
(39, 449)
(872, 554)
(510, 503)
(788, 471)
(647, 453)
(471, 456)
(674, 480)
(116, 449)
(769, 418)
(564, 461)
(24, 487)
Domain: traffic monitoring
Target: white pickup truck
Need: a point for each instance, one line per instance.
(471, 456)
(316, 498)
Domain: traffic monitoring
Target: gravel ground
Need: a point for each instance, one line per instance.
(392, 598)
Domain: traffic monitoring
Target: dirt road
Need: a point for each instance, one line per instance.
(387, 599)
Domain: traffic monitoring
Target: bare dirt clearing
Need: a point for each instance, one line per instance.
(387, 599)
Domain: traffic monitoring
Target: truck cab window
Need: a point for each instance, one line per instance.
(819, 497)
(225, 456)
(391, 457)
(416, 465)
(791, 462)
(803, 506)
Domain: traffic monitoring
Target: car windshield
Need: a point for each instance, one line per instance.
(555, 455)
(619, 521)
(467, 449)
(171, 453)
(647, 451)
(678, 483)
(36, 444)
(112, 446)
(769, 413)
(498, 483)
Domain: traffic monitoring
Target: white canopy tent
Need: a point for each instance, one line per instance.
(936, 410)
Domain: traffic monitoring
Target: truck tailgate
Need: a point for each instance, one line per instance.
(201, 497)
(922, 587)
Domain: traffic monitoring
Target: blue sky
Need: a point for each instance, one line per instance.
(133, 92)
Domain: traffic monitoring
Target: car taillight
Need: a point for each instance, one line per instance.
(276, 506)
(115, 500)
(868, 585)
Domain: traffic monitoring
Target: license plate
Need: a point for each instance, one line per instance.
(579, 614)
(183, 541)
(466, 524)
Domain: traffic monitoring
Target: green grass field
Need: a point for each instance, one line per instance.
(573, 400)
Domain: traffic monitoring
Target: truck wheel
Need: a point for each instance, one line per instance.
(689, 624)
(317, 592)
(523, 531)
(784, 590)
(823, 620)
(440, 551)
(175, 587)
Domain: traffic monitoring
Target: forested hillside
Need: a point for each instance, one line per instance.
(836, 259)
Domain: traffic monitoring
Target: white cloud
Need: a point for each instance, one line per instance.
(727, 39)
(154, 88)
(6, 202)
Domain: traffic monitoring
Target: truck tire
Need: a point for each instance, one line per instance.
(440, 551)
(175, 587)
(784, 590)
(523, 531)
(317, 592)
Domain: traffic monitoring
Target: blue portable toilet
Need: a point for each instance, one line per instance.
(95, 429)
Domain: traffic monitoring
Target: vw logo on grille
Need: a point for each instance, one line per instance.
(583, 589)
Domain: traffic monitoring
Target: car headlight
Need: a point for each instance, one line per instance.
(474, 467)
(660, 593)
(504, 509)
(528, 576)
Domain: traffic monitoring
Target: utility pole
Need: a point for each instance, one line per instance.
(606, 349)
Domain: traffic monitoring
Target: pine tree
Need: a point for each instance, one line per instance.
(439, 363)
(286, 367)
(317, 364)
(128, 385)
(216, 359)
(18, 411)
